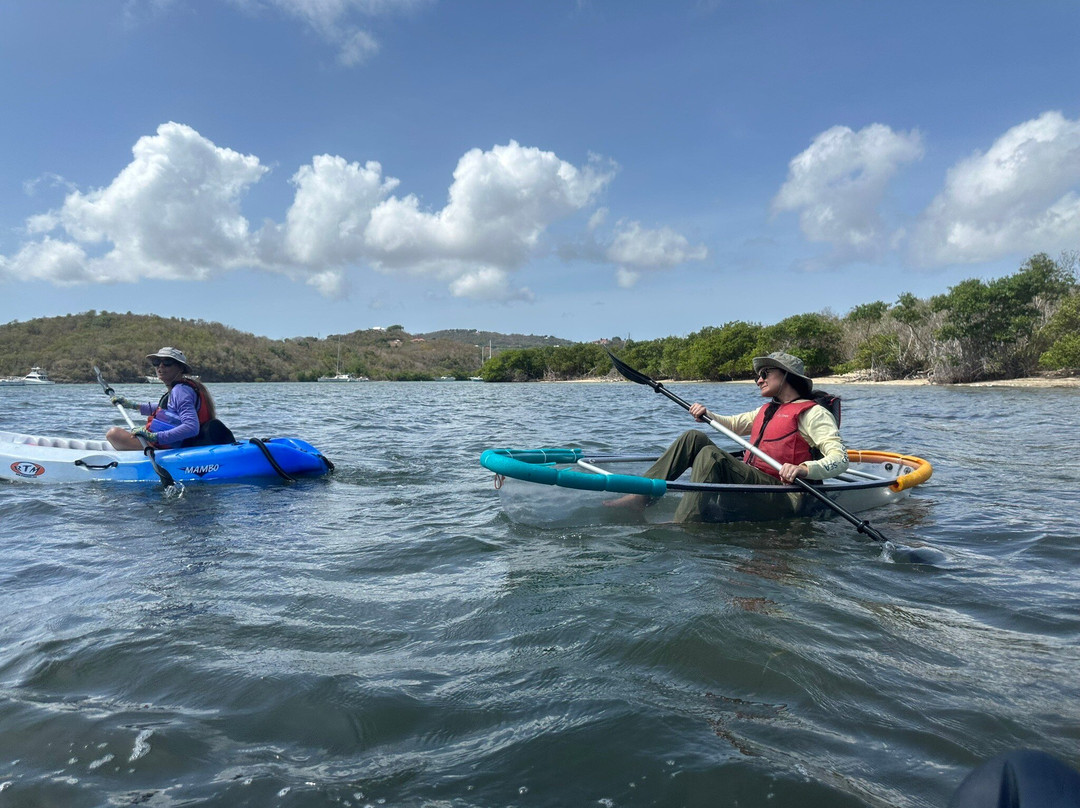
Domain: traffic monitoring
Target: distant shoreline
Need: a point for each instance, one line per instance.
(1029, 381)
(833, 381)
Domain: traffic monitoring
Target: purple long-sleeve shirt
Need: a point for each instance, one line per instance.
(179, 409)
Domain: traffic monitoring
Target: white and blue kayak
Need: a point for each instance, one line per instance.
(34, 458)
(873, 479)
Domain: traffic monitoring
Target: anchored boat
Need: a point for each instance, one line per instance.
(35, 376)
(873, 479)
(343, 377)
(41, 459)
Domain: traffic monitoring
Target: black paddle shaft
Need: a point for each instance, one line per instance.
(861, 524)
(108, 390)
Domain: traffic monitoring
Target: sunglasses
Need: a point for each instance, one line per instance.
(764, 373)
(165, 363)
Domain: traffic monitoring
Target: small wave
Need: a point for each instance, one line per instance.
(142, 745)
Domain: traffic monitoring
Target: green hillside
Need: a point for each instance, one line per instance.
(1014, 326)
(68, 347)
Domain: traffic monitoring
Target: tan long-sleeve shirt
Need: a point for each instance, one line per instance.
(817, 427)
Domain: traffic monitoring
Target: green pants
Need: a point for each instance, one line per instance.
(708, 463)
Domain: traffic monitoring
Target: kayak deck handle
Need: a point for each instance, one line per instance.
(85, 463)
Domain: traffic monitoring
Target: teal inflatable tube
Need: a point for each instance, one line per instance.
(537, 466)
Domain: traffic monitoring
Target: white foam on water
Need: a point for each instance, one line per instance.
(97, 764)
(141, 746)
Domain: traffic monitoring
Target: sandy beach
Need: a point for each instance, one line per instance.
(1029, 381)
(855, 378)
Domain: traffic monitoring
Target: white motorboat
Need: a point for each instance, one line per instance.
(35, 376)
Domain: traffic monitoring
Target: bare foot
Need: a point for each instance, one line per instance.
(635, 501)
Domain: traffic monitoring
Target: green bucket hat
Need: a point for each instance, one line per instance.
(174, 354)
(791, 365)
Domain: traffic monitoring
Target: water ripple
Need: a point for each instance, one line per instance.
(389, 636)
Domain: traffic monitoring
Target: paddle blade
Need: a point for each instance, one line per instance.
(104, 386)
(926, 556)
(629, 373)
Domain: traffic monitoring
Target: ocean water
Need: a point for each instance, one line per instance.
(387, 636)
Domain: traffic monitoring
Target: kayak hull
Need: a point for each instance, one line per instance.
(874, 479)
(38, 459)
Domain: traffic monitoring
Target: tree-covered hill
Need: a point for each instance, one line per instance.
(1014, 326)
(68, 347)
(1019, 325)
(483, 338)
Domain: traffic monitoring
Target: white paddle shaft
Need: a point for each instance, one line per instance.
(744, 443)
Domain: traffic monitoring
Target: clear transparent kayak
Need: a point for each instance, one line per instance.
(43, 459)
(873, 479)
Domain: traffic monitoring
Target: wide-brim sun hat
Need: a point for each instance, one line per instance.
(791, 365)
(175, 354)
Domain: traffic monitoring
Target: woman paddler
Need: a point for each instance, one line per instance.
(176, 419)
(795, 429)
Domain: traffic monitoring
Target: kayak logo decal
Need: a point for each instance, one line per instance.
(201, 471)
(24, 468)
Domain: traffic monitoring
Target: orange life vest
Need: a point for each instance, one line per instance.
(776, 432)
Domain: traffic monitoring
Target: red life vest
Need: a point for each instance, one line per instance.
(201, 408)
(776, 432)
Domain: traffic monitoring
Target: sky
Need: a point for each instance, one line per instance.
(575, 168)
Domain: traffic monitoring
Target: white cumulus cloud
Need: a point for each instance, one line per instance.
(331, 210)
(173, 212)
(487, 283)
(1021, 196)
(501, 202)
(635, 248)
(59, 261)
(838, 183)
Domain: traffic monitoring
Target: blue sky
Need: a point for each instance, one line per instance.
(582, 169)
